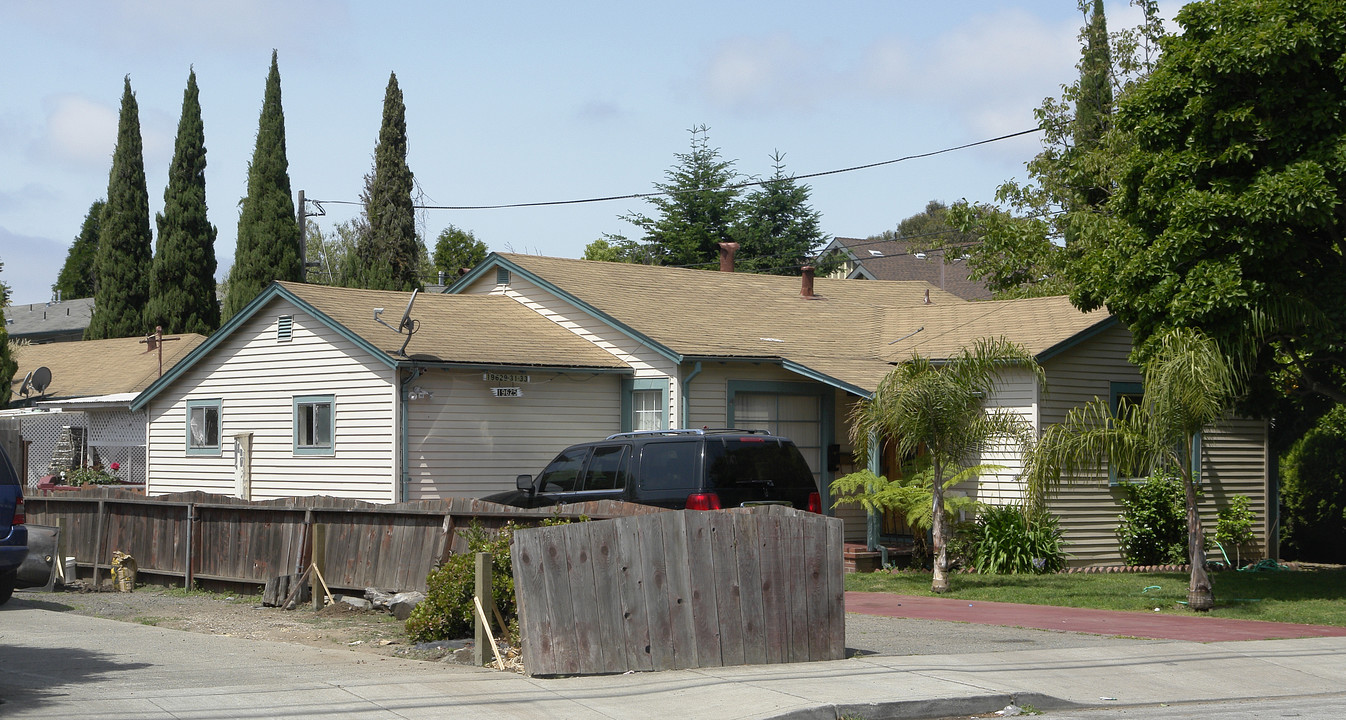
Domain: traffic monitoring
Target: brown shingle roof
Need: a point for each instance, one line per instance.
(468, 329)
(90, 368)
(845, 334)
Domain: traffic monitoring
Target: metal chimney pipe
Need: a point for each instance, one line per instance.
(927, 296)
(727, 252)
(806, 286)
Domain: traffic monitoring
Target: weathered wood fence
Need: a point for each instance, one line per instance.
(198, 536)
(680, 590)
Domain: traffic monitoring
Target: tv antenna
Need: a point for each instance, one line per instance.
(406, 325)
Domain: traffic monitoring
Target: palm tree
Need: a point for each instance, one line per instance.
(939, 407)
(1189, 384)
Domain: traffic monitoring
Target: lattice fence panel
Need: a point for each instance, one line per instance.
(42, 432)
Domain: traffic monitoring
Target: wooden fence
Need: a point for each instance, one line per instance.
(198, 536)
(680, 590)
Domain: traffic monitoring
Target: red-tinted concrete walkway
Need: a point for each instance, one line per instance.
(1099, 622)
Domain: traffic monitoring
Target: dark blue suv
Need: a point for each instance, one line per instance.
(13, 534)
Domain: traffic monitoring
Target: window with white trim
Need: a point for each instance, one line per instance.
(314, 425)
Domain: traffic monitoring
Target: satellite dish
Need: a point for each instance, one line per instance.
(406, 314)
(27, 382)
(41, 379)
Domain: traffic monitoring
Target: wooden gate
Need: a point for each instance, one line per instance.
(680, 590)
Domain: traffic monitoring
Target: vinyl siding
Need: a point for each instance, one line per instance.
(256, 378)
(1233, 452)
(1016, 392)
(464, 441)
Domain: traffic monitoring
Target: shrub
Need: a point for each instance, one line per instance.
(1005, 540)
(79, 477)
(1313, 492)
(448, 610)
(1153, 528)
(1234, 527)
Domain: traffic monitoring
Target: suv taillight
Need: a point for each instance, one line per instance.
(815, 503)
(703, 501)
(19, 519)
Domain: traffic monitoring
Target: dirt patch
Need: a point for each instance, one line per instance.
(241, 616)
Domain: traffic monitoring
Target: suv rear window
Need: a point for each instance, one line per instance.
(734, 463)
(670, 465)
(8, 474)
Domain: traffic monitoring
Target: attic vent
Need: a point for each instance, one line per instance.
(501, 276)
(284, 328)
(876, 253)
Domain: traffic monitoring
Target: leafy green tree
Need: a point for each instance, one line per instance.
(268, 233)
(1028, 241)
(937, 408)
(457, 249)
(8, 365)
(615, 247)
(388, 255)
(1313, 492)
(182, 276)
(778, 231)
(1189, 384)
(77, 278)
(333, 251)
(1229, 209)
(122, 261)
(698, 210)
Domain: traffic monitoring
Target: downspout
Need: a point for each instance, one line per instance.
(686, 394)
(404, 445)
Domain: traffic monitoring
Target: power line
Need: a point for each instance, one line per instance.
(642, 196)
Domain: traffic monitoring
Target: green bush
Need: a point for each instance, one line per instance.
(1234, 527)
(80, 477)
(1153, 528)
(448, 610)
(1313, 492)
(1005, 540)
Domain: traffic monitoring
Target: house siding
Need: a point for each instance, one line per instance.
(1015, 392)
(466, 442)
(1233, 452)
(256, 378)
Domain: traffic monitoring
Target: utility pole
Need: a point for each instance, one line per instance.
(303, 239)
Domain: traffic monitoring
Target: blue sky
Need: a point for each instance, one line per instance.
(525, 102)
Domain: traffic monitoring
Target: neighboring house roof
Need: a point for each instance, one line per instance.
(897, 261)
(90, 368)
(49, 322)
(844, 337)
(471, 330)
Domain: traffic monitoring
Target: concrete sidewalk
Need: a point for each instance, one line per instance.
(61, 665)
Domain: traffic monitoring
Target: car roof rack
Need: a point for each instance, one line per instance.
(688, 431)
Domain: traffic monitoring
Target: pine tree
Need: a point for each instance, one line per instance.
(182, 277)
(779, 232)
(388, 255)
(699, 209)
(268, 232)
(124, 239)
(77, 278)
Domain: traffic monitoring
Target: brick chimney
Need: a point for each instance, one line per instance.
(806, 286)
(727, 252)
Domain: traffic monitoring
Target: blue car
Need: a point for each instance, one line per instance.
(13, 533)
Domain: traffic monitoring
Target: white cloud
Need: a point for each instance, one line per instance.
(765, 73)
(78, 131)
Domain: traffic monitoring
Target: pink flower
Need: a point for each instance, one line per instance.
(116, 466)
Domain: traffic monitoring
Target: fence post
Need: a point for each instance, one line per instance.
(320, 562)
(485, 568)
(98, 541)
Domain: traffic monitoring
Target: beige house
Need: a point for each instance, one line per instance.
(757, 351)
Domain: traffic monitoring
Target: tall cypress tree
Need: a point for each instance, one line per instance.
(268, 233)
(78, 274)
(182, 277)
(124, 239)
(389, 253)
(7, 362)
(1094, 104)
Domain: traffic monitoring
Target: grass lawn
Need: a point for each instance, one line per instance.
(1313, 596)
